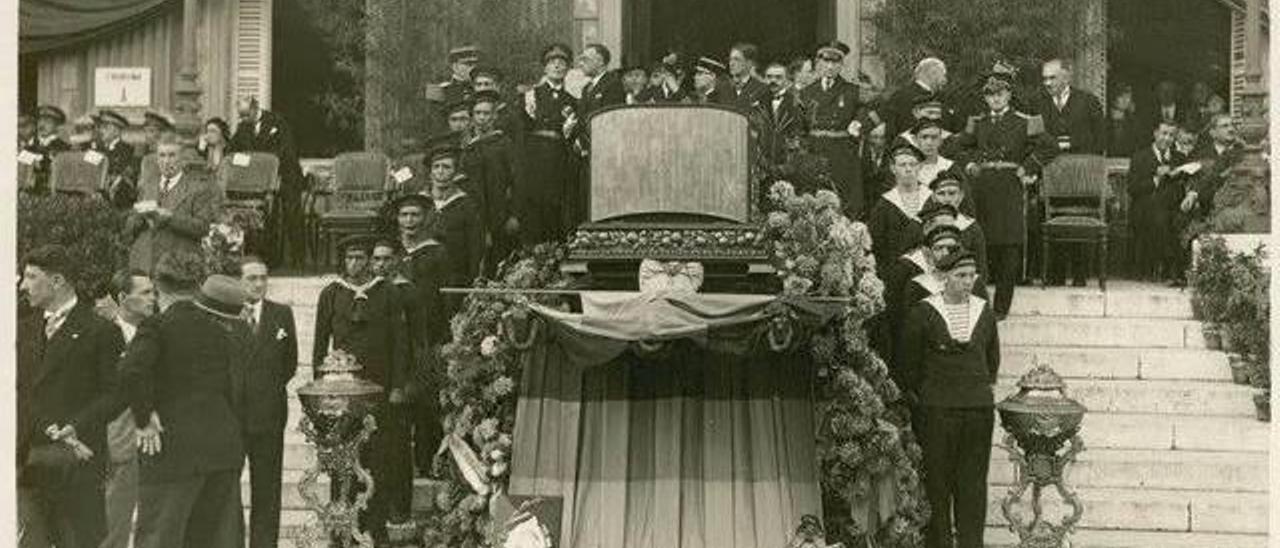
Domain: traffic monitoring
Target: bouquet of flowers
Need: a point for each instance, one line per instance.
(222, 247)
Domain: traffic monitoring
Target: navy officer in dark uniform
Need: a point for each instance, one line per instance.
(122, 165)
(1003, 153)
(549, 175)
(458, 88)
(832, 104)
(49, 142)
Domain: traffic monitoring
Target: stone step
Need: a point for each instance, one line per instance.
(1001, 537)
(1155, 469)
(1150, 510)
(1125, 300)
(1075, 362)
(1151, 396)
(1049, 331)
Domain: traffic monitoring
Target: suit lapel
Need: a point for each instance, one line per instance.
(55, 350)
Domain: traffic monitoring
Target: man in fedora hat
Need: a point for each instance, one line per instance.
(832, 105)
(184, 384)
(359, 313)
(122, 166)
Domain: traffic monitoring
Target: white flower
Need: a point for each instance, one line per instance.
(489, 346)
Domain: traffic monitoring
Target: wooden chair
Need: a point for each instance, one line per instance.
(72, 173)
(361, 185)
(250, 192)
(1074, 193)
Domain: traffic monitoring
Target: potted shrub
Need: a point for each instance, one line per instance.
(1210, 280)
(1212, 335)
(1262, 403)
(1239, 369)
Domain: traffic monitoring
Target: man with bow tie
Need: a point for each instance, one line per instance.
(1155, 192)
(174, 211)
(784, 119)
(832, 105)
(261, 130)
(273, 362)
(66, 372)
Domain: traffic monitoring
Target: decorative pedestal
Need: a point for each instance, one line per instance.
(338, 421)
(1043, 426)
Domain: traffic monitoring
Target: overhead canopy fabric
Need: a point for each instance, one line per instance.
(51, 24)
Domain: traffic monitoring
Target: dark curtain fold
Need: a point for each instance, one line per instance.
(53, 24)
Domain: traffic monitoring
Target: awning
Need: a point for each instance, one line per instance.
(45, 25)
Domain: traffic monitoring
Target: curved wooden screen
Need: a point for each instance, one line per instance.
(669, 159)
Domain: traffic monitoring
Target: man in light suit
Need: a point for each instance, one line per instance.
(66, 395)
(186, 203)
(273, 361)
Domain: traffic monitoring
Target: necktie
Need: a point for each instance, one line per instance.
(826, 84)
(51, 324)
(250, 317)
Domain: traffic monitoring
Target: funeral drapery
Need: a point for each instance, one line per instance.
(51, 24)
(671, 421)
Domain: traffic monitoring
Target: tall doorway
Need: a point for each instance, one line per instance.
(782, 30)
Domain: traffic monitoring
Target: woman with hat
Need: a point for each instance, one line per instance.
(893, 222)
(214, 141)
(949, 358)
(550, 174)
(833, 105)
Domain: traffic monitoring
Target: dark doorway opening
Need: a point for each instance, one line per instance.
(303, 78)
(1181, 41)
(782, 30)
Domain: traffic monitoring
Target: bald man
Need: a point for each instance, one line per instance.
(930, 77)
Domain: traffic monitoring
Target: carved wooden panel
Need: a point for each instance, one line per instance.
(669, 159)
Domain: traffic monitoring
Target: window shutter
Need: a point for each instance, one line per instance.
(252, 50)
(1237, 60)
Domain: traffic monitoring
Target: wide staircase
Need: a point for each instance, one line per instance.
(1174, 455)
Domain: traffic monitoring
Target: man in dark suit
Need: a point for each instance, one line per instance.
(745, 91)
(930, 77)
(66, 395)
(183, 374)
(1154, 195)
(122, 165)
(265, 131)
(604, 87)
(783, 118)
(832, 105)
(186, 203)
(1073, 119)
(1217, 158)
(273, 361)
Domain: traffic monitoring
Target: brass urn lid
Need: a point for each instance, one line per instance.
(336, 378)
(1041, 391)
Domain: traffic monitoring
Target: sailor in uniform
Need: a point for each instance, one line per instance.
(950, 357)
(892, 221)
(940, 212)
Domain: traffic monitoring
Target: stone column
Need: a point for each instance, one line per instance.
(186, 89)
(1243, 203)
(849, 30)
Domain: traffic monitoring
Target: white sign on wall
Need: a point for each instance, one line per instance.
(122, 87)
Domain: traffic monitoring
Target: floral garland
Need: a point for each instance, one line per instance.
(867, 457)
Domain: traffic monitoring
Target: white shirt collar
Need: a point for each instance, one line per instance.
(924, 86)
(173, 181)
(441, 204)
(1063, 97)
(963, 221)
(127, 329)
(917, 258)
(929, 281)
(46, 139)
(597, 78)
(55, 319)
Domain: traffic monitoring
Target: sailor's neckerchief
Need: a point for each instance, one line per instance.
(361, 291)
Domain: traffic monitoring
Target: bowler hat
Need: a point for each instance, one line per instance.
(106, 116)
(54, 113)
(955, 260)
(222, 295)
